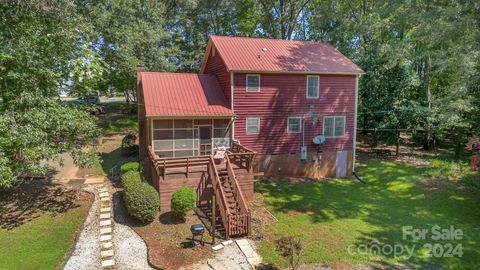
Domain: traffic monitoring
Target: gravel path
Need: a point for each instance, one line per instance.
(130, 249)
(228, 258)
(86, 253)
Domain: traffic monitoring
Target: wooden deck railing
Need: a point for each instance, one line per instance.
(163, 164)
(242, 156)
(240, 222)
(235, 223)
(220, 197)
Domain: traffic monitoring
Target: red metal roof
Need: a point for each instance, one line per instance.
(276, 55)
(182, 94)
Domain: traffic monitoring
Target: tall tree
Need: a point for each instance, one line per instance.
(127, 34)
(35, 57)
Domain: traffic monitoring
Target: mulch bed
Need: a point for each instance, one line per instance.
(168, 241)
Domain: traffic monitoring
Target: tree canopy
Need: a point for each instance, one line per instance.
(421, 60)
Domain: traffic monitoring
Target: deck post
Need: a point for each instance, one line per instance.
(164, 168)
(213, 217)
(188, 161)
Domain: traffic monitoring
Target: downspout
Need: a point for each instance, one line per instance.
(355, 123)
(231, 103)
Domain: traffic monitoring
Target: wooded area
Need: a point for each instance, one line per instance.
(421, 58)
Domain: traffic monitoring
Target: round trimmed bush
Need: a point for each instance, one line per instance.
(130, 166)
(183, 200)
(141, 199)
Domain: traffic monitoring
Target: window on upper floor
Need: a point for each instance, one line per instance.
(294, 124)
(253, 125)
(253, 83)
(313, 85)
(334, 126)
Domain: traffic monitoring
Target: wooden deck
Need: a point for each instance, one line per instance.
(228, 183)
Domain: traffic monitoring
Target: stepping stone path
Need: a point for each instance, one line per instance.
(106, 245)
(252, 256)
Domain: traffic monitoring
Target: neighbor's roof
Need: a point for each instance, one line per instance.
(182, 94)
(277, 55)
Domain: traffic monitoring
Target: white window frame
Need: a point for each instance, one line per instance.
(246, 125)
(249, 90)
(288, 124)
(318, 87)
(334, 126)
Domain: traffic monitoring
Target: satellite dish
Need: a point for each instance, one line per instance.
(319, 139)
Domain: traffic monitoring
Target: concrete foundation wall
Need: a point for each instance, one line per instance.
(291, 165)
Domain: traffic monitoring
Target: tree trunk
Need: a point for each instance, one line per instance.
(397, 148)
(365, 121)
(428, 94)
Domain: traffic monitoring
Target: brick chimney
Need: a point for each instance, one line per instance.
(140, 68)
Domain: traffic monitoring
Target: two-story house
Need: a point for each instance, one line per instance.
(282, 107)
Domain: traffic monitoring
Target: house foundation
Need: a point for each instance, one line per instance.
(327, 164)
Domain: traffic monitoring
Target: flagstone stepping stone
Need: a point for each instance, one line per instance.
(106, 237)
(106, 222)
(107, 245)
(108, 263)
(106, 253)
(105, 230)
(105, 209)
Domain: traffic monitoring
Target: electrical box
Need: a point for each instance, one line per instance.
(304, 153)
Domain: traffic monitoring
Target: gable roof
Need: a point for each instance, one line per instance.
(182, 94)
(277, 55)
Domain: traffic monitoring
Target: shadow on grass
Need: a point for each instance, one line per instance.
(393, 197)
(113, 160)
(30, 199)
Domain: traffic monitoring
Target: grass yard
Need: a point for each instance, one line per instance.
(119, 117)
(41, 243)
(114, 159)
(331, 216)
(37, 225)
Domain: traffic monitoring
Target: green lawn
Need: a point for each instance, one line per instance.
(40, 243)
(331, 216)
(113, 160)
(119, 117)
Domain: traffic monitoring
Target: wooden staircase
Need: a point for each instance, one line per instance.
(230, 204)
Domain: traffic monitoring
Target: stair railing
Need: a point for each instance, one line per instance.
(241, 222)
(220, 197)
(242, 156)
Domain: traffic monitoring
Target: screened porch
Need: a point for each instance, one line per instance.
(189, 137)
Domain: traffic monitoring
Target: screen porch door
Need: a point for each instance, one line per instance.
(205, 136)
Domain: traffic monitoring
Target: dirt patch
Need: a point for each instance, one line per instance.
(169, 242)
(432, 186)
(32, 198)
(261, 218)
(409, 152)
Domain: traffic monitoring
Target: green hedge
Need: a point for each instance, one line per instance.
(130, 166)
(141, 199)
(183, 200)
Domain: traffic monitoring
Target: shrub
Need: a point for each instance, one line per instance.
(85, 159)
(140, 198)
(474, 146)
(130, 166)
(290, 247)
(183, 200)
(129, 140)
